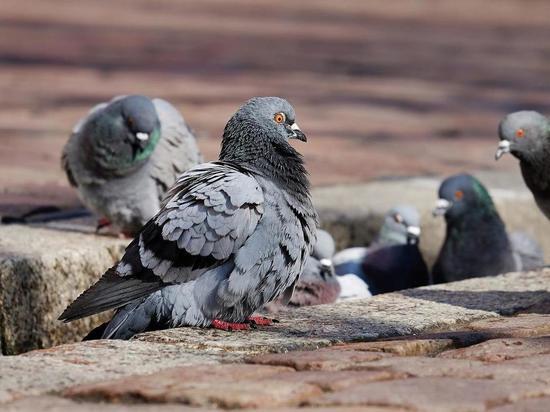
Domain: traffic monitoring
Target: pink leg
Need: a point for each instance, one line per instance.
(260, 320)
(228, 326)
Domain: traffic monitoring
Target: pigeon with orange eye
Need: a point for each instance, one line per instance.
(476, 242)
(526, 135)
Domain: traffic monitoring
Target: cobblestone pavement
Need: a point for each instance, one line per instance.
(447, 348)
(491, 365)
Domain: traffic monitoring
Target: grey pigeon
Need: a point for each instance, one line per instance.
(476, 242)
(124, 155)
(526, 135)
(318, 283)
(231, 236)
(393, 261)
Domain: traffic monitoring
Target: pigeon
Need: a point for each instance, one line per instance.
(476, 242)
(124, 155)
(318, 283)
(526, 135)
(393, 261)
(231, 236)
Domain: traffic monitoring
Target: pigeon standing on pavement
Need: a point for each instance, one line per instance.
(393, 261)
(124, 155)
(526, 135)
(231, 236)
(476, 243)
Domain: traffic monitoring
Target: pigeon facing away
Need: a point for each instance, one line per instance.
(393, 261)
(231, 236)
(124, 155)
(318, 284)
(476, 243)
(526, 135)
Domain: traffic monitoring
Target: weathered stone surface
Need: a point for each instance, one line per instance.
(539, 404)
(534, 369)
(401, 347)
(58, 404)
(54, 369)
(520, 326)
(322, 359)
(41, 272)
(225, 386)
(498, 350)
(434, 394)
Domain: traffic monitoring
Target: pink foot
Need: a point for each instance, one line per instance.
(228, 326)
(260, 320)
(101, 223)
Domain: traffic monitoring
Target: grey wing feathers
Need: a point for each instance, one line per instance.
(213, 210)
(527, 252)
(177, 149)
(110, 292)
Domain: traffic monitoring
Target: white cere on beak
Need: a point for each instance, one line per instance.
(294, 127)
(413, 231)
(326, 263)
(142, 136)
(503, 147)
(441, 206)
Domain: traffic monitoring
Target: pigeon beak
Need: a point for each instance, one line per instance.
(441, 207)
(413, 233)
(142, 137)
(326, 263)
(296, 133)
(503, 148)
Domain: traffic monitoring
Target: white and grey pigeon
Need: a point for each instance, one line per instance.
(124, 155)
(231, 236)
(392, 262)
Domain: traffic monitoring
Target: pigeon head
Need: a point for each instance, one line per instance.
(140, 119)
(460, 195)
(324, 247)
(258, 135)
(522, 134)
(259, 123)
(401, 226)
(123, 134)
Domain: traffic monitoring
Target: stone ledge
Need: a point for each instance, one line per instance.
(41, 272)
(424, 318)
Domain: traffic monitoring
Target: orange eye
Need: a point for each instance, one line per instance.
(398, 218)
(279, 117)
(459, 194)
(520, 133)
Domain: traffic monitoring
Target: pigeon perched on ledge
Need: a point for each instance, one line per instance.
(526, 135)
(124, 155)
(231, 236)
(392, 262)
(476, 243)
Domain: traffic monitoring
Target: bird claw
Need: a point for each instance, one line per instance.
(261, 320)
(228, 326)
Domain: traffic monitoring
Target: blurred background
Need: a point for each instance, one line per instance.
(382, 88)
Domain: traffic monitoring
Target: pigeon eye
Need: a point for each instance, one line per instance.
(130, 122)
(459, 194)
(520, 133)
(398, 218)
(279, 117)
